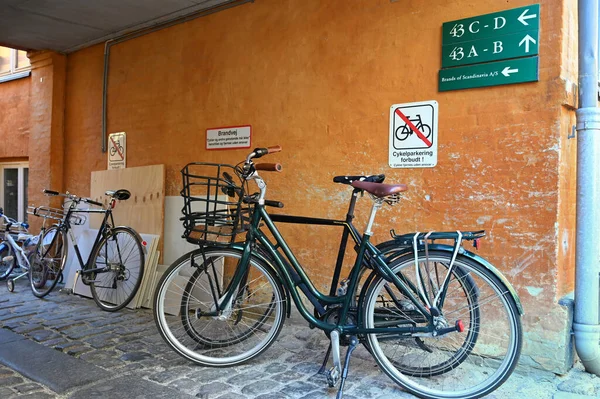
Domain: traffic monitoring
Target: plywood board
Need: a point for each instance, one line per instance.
(144, 211)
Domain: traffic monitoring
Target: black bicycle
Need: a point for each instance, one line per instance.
(439, 320)
(115, 267)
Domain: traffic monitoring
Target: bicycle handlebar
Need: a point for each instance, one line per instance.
(264, 151)
(349, 179)
(72, 197)
(10, 222)
(91, 202)
(260, 152)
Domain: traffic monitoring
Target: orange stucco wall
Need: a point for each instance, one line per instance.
(319, 78)
(14, 118)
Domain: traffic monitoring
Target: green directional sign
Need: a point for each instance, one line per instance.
(492, 25)
(491, 74)
(515, 45)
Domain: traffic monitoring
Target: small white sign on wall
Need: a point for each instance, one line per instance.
(223, 138)
(413, 135)
(117, 147)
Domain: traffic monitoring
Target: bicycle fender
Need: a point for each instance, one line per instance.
(267, 261)
(139, 237)
(492, 269)
(467, 254)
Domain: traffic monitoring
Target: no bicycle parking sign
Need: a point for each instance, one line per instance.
(413, 135)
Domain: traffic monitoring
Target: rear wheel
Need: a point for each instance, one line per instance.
(121, 256)
(194, 287)
(47, 261)
(469, 361)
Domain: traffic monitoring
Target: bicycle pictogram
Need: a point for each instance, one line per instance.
(404, 131)
(113, 148)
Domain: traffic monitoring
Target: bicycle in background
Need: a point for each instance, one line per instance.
(12, 254)
(439, 320)
(115, 266)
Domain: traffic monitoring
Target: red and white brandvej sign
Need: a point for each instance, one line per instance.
(223, 138)
(413, 135)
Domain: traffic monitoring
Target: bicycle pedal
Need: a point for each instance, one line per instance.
(8, 258)
(333, 376)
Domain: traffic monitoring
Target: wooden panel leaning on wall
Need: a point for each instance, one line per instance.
(145, 210)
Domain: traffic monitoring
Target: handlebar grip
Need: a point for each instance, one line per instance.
(275, 204)
(269, 167)
(376, 178)
(50, 192)
(89, 201)
(259, 152)
(341, 179)
(349, 179)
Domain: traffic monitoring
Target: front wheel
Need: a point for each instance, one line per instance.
(194, 320)
(469, 362)
(121, 256)
(47, 261)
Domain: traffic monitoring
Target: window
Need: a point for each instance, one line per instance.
(14, 64)
(13, 190)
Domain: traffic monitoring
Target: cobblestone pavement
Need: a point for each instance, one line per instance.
(128, 344)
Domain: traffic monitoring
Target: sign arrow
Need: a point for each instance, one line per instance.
(524, 17)
(507, 71)
(527, 39)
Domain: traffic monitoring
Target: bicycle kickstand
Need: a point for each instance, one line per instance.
(351, 347)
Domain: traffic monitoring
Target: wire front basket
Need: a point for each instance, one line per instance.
(212, 203)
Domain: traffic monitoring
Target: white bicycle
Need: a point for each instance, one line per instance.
(15, 236)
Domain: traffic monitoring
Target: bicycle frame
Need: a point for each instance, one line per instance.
(65, 226)
(293, 276)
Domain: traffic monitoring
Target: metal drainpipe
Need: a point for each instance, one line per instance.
(587, 269)
(132, 35)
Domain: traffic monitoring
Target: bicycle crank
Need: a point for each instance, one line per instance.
(335, 372)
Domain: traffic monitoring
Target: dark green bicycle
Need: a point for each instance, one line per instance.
(439, 320)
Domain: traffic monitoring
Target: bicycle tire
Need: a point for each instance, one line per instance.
(38, 284)
(6, 267)
(187, 301)
(446, 367)
(234, 336)
(121, 250)
(48, 261)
